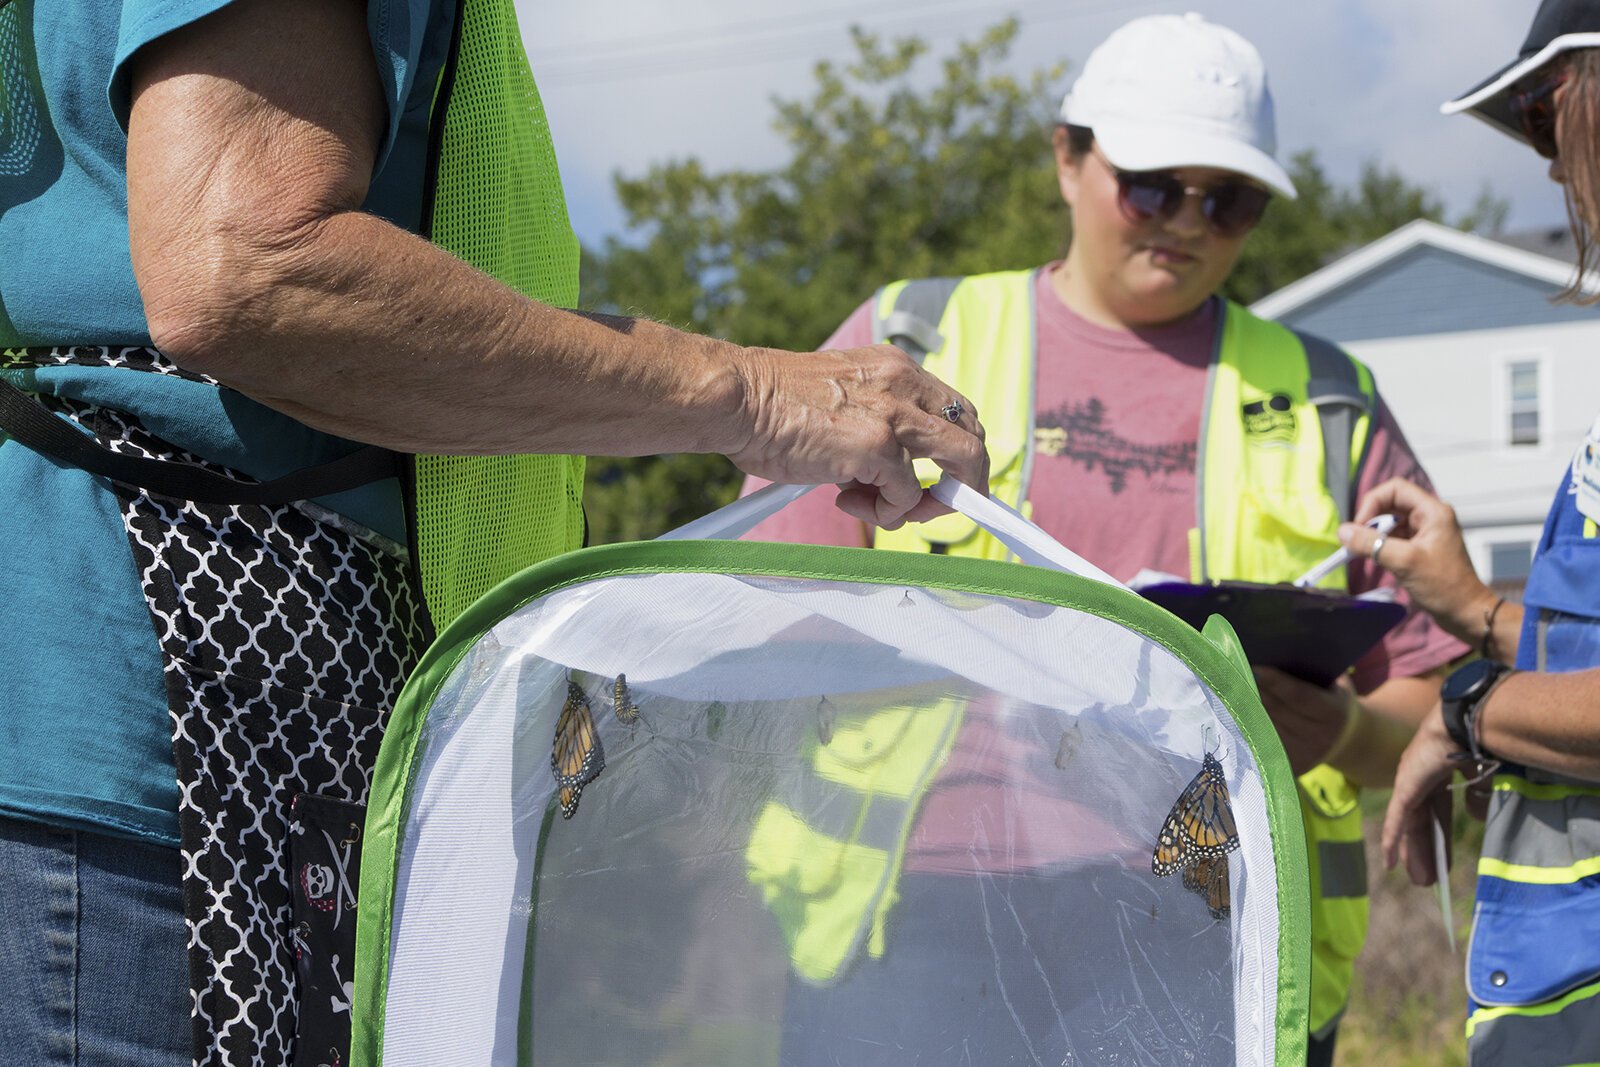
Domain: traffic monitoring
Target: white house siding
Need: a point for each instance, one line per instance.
(1449, 392)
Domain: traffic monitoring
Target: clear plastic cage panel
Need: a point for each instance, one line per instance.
(823, 823)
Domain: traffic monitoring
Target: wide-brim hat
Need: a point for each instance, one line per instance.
(1558, 26)
(1168, 91)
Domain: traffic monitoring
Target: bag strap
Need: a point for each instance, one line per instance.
(1027, 542)
(33, 426)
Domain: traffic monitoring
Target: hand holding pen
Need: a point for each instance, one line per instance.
(1428, 556)
(1382, 525)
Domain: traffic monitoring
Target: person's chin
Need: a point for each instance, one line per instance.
(1169, 289)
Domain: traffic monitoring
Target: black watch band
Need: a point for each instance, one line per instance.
(1455, 723)
(1461, 696)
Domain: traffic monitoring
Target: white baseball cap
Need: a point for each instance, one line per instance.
(1177, 91)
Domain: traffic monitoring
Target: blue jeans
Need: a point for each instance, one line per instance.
(93, 957)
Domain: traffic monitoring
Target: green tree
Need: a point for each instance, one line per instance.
(889, 174)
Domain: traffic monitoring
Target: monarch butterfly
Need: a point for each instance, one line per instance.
(576, 757)
(1208, 878)
(622, 703)
(1200, 825)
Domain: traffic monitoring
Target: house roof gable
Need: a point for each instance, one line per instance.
(1426, 278)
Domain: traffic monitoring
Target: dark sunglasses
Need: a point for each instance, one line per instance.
(1534, 108)
(1230, 207)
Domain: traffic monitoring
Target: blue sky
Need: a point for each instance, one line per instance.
(629, 82)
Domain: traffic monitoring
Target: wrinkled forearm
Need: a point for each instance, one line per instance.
(251, 141)
(366, 331)
(1550, 721)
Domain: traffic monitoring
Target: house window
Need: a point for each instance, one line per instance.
(1523, 396)
(1509, 561)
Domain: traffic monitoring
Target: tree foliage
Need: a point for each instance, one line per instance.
(890, 173)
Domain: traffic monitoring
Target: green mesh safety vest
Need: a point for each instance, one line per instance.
(1287, 421)
(497, 203)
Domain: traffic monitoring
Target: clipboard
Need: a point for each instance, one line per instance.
(1313, 634)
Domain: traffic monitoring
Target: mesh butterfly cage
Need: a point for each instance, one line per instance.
(701, 801)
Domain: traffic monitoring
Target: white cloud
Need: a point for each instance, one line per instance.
(1355, 80)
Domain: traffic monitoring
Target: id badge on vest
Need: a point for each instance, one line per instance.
(1586, 474)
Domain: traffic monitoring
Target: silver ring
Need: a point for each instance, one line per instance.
(953, 411)
(1377, 546)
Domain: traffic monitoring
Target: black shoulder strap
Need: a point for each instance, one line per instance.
(912, 324)
(1334, 387)
(29, 423)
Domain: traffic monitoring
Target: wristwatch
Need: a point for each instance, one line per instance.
(1460, 696)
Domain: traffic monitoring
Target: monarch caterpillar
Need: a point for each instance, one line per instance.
(825, 721)
(1208, 878)
(1068, 748)
(622, 702)
(1200, 825)
(716, 714)
(576, 756)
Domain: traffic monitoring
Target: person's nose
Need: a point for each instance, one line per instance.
(1190, 221)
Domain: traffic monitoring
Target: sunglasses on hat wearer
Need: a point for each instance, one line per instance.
(1534, 108)
(1230, 207)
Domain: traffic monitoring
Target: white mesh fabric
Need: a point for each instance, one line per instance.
(1027, 918)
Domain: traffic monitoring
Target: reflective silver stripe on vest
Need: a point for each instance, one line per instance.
(1533, 832)
(1335, 388)
(1556, 1039)
(912, 324)
(1025, 479)
(1344, 868)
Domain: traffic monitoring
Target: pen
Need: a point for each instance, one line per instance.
(1382, 523)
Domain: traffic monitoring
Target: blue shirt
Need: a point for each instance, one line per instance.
(85, 739)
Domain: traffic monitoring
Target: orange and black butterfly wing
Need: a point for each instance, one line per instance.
(1208, 878)
(1200, 825)
(1172, 848)
(576, 757)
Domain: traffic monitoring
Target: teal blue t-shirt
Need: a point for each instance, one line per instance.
(85, 738)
